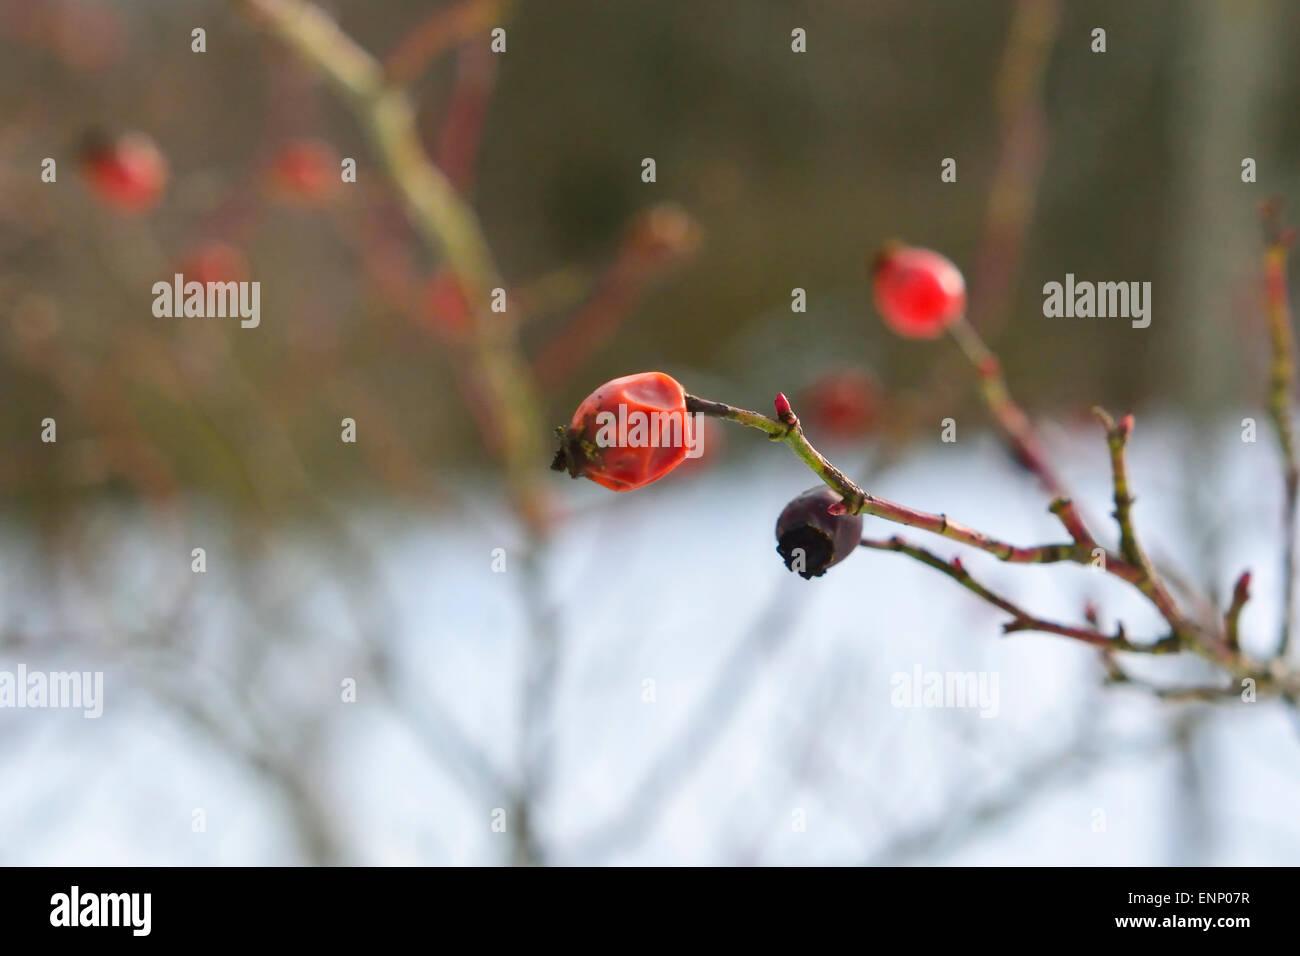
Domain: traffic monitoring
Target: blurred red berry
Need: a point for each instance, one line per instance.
(917, 291)
(214, 261)
(627, 433)
(843, 403)
(305, 171)
(128, 173)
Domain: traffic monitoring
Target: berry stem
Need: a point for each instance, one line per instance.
(1079, 550)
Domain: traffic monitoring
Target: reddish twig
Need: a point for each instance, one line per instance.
(1281, 393)
(442, 30)
(442, 219)
(1022, 620)
(1080, 549)
(1131, 566)
(1010, 418)
(1150, 584)
(657, 240)
(1018, 98)
(461, 130)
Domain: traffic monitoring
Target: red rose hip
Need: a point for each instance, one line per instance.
(917, 291)
(128, 173)
(627, 433)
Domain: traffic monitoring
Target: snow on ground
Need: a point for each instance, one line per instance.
(682, 634)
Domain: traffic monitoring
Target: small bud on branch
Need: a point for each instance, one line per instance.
(783, 410)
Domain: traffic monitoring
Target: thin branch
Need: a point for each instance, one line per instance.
(460, 135)
(1117, 675)
(1018, 95)
(657, 240)
(1021, 620)
(1022, 438)
(1150, 583)
(790, 432)
(1184, 634)
(1281, 392)
(444, 220)
(1009, 417)
(443, 29)
(508, 404)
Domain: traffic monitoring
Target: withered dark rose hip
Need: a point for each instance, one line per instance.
(810, 539)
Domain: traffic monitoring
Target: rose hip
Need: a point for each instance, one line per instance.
(628, 433)
(917, 291)
(810, 539)
(128, 173)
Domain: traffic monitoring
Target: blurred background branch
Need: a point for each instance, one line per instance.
(524, 692)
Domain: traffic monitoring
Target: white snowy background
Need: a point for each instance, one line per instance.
(771, 737)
